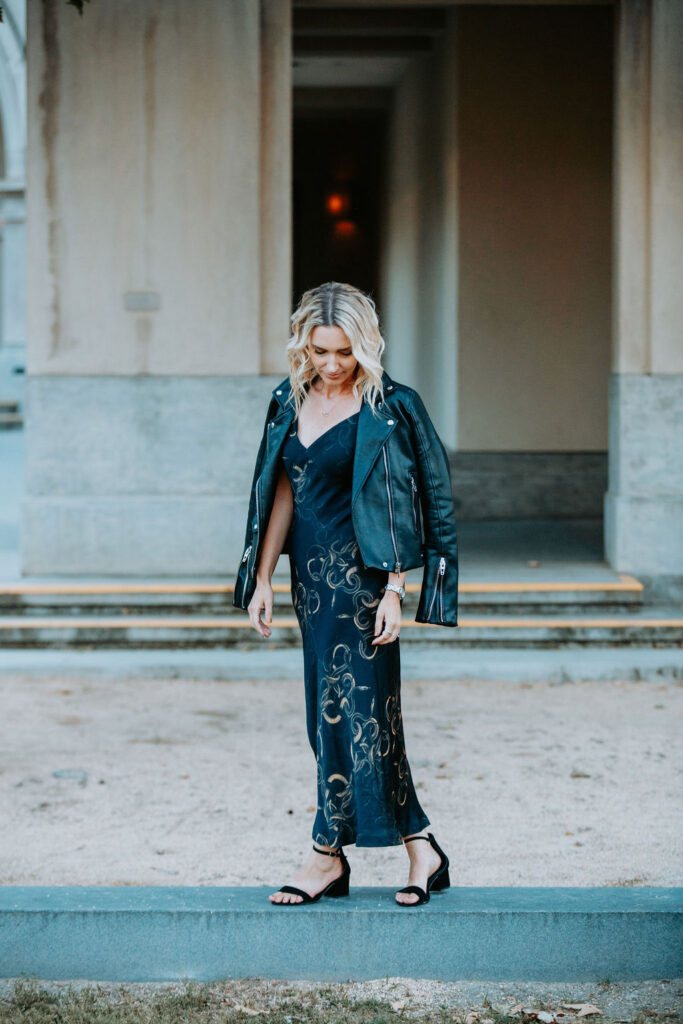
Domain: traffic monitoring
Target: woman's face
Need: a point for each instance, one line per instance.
(330, 352)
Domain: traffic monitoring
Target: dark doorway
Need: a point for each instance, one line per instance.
(338, 169)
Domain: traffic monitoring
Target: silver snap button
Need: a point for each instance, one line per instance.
(385, 564)
(390, 423)
(278, 392)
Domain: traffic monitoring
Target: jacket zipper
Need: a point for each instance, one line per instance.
(438, 585)
(414, 490)
(252, 546)
(397, 565)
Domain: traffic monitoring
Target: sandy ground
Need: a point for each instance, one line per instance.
(199, 782)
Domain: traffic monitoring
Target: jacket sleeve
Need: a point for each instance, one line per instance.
(244, 583)
(438, 601)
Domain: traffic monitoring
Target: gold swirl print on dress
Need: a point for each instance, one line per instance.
(368, 744)
(338, 689)
(306, 602)
(338, 565)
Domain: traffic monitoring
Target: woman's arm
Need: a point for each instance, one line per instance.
(273, 543)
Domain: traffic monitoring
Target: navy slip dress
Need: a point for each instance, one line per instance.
(365, 791)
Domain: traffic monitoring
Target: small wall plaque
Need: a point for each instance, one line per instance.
(141, 301)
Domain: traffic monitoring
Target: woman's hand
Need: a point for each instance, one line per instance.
(388, 617)
(262, 599)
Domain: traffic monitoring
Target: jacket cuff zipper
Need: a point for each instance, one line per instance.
(438, 586)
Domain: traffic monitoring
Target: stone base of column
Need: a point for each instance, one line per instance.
(139, 476)
(643, 507)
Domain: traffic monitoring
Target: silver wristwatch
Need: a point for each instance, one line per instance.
(401, 591)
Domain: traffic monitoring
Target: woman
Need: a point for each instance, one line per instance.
(353, 483)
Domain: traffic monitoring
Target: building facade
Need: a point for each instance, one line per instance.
(505, 179)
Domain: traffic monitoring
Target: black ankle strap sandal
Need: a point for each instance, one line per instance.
(337, 887)
(438, 879)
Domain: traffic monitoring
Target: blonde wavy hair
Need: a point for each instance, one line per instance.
(337, 305)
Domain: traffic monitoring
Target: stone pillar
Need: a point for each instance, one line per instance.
(12, 200)
(276, 183)
(147, 292)
(644, 502)
(12, 277)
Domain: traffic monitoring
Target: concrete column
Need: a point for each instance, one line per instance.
(145, 387)
(12, 277)
(644, 502)
(275, 183)
(12, 199)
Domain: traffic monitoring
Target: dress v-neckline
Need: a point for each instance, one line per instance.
(307, 447)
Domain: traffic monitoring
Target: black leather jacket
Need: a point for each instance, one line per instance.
(401, 498)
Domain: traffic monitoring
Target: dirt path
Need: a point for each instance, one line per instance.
(196, 782)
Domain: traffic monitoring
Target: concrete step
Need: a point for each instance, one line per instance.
(126, 934)
(651, 627)
(418, 661)
(205, 597)
(165, 613)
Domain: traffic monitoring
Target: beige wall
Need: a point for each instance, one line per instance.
(497, 262)
(534, 228)
(143, 177)
(419, 259)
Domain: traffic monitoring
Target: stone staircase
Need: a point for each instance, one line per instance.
(129, 614)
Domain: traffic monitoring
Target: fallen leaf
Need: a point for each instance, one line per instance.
(584, 1008)
(398, 1005)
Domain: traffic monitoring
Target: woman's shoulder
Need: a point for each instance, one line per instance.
(399, 391)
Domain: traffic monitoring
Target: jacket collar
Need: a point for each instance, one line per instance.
(283, 390)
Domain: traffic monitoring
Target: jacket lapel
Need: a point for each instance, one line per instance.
(373, 430)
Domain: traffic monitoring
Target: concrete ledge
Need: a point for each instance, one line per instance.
(496, 934)
(418, 661)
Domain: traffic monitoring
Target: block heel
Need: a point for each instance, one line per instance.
(340, 886)
(443, 881)
(437, 881)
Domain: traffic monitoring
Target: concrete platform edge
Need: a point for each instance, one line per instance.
(141, 933)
